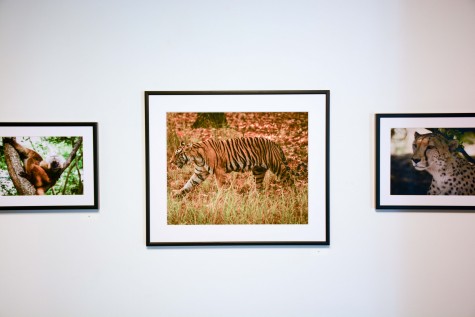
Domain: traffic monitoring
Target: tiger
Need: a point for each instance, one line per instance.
(218, 157)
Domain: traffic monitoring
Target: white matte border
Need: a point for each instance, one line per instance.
(387, 200)
(162, 233)
(88, 199)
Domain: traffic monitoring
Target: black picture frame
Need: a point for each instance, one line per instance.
(400, 185)
(161, 104)
(31, 188)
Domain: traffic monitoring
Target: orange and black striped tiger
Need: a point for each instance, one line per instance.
(218, 157)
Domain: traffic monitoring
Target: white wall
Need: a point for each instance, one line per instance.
(92, 60)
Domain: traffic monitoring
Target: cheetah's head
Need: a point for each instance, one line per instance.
(431, 151)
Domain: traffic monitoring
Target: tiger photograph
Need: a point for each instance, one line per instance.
(237, 168)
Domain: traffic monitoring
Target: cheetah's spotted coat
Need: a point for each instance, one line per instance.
(451, 174)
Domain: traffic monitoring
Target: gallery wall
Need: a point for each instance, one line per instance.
(92, 60)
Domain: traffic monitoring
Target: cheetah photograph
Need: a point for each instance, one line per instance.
(432, 161)
(428, 161)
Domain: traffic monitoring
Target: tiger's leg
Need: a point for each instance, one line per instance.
(284, 174)
(220, 177)
(197, 178)
(287, 177)
(259, 173)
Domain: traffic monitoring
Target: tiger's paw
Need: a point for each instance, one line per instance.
(177, 193)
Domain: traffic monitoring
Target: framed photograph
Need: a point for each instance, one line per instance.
(425, 161)
(237, 167)
(48, 166)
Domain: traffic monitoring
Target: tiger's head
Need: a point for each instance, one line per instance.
(431, 151)
(180, 158)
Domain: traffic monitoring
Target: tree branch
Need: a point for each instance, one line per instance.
(15, 168)
(72, 155)
(465, 154)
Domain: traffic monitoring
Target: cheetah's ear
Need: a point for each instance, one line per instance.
(453, 145)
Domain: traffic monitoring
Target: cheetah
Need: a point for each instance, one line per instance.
(451, 174)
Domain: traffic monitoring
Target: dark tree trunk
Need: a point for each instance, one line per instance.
(15, 167)
(210, 120)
